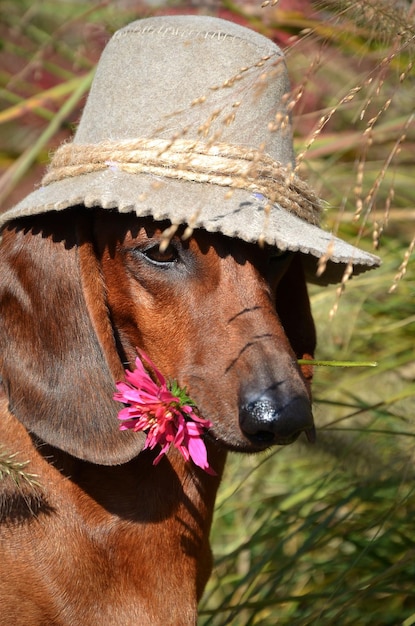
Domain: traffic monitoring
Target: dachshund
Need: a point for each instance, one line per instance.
(93, 532)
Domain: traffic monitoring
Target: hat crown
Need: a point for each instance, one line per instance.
(191, 77)
(188, 120)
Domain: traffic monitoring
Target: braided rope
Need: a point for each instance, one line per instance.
(218, 164)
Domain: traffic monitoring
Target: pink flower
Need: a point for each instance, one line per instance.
(164, 412)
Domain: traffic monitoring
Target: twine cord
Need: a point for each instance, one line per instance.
(219, 164)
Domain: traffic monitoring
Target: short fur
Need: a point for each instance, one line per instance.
(103, 536)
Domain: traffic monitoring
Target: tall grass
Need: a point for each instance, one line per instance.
(321, 534)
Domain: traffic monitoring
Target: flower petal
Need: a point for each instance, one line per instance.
(198, 453)
(157, 372)
(163, 415)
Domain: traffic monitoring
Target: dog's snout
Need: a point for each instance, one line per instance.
(264, 421)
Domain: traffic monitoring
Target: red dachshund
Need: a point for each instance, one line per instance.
(103, 536)
(92, 533)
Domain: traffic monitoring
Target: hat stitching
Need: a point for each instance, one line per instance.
(177, 31)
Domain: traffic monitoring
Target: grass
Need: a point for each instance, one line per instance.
(319, 534)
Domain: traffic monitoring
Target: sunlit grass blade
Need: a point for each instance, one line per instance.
(53, 95)
(22, 164)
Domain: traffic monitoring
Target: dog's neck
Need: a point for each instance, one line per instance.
(145, 493)
(123, 509)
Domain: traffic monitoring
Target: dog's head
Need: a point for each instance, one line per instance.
(81, 290)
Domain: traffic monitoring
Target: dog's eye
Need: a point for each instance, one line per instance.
(155, 255)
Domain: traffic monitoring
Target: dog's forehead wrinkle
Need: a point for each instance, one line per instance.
(244, 311)
(235, 360)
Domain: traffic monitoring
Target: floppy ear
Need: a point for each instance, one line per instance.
(58, 358)
(294, 310)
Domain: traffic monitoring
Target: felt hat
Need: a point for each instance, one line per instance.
(188, 119)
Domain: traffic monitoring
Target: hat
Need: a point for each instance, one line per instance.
(188, 120)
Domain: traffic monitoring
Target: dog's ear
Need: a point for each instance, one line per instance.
(294, 310)
(58, 355)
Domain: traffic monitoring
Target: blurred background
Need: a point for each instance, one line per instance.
(310, 534)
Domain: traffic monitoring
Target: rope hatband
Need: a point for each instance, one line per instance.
(219, 164)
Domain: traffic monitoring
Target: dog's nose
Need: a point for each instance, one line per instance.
(265, 422)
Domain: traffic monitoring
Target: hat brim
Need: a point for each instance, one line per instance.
(234, 213)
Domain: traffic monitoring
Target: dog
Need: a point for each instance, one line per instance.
(79, 292)
(92, 531)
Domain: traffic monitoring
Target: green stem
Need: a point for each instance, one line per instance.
(337, 363)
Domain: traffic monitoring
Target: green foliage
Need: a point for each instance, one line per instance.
(326, 540)
(180, 393)
(304, 535)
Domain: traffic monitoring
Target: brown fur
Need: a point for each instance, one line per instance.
(105, 537)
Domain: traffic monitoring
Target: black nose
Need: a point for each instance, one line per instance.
(265, 422)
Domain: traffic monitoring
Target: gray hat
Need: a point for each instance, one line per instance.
(188, 120)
